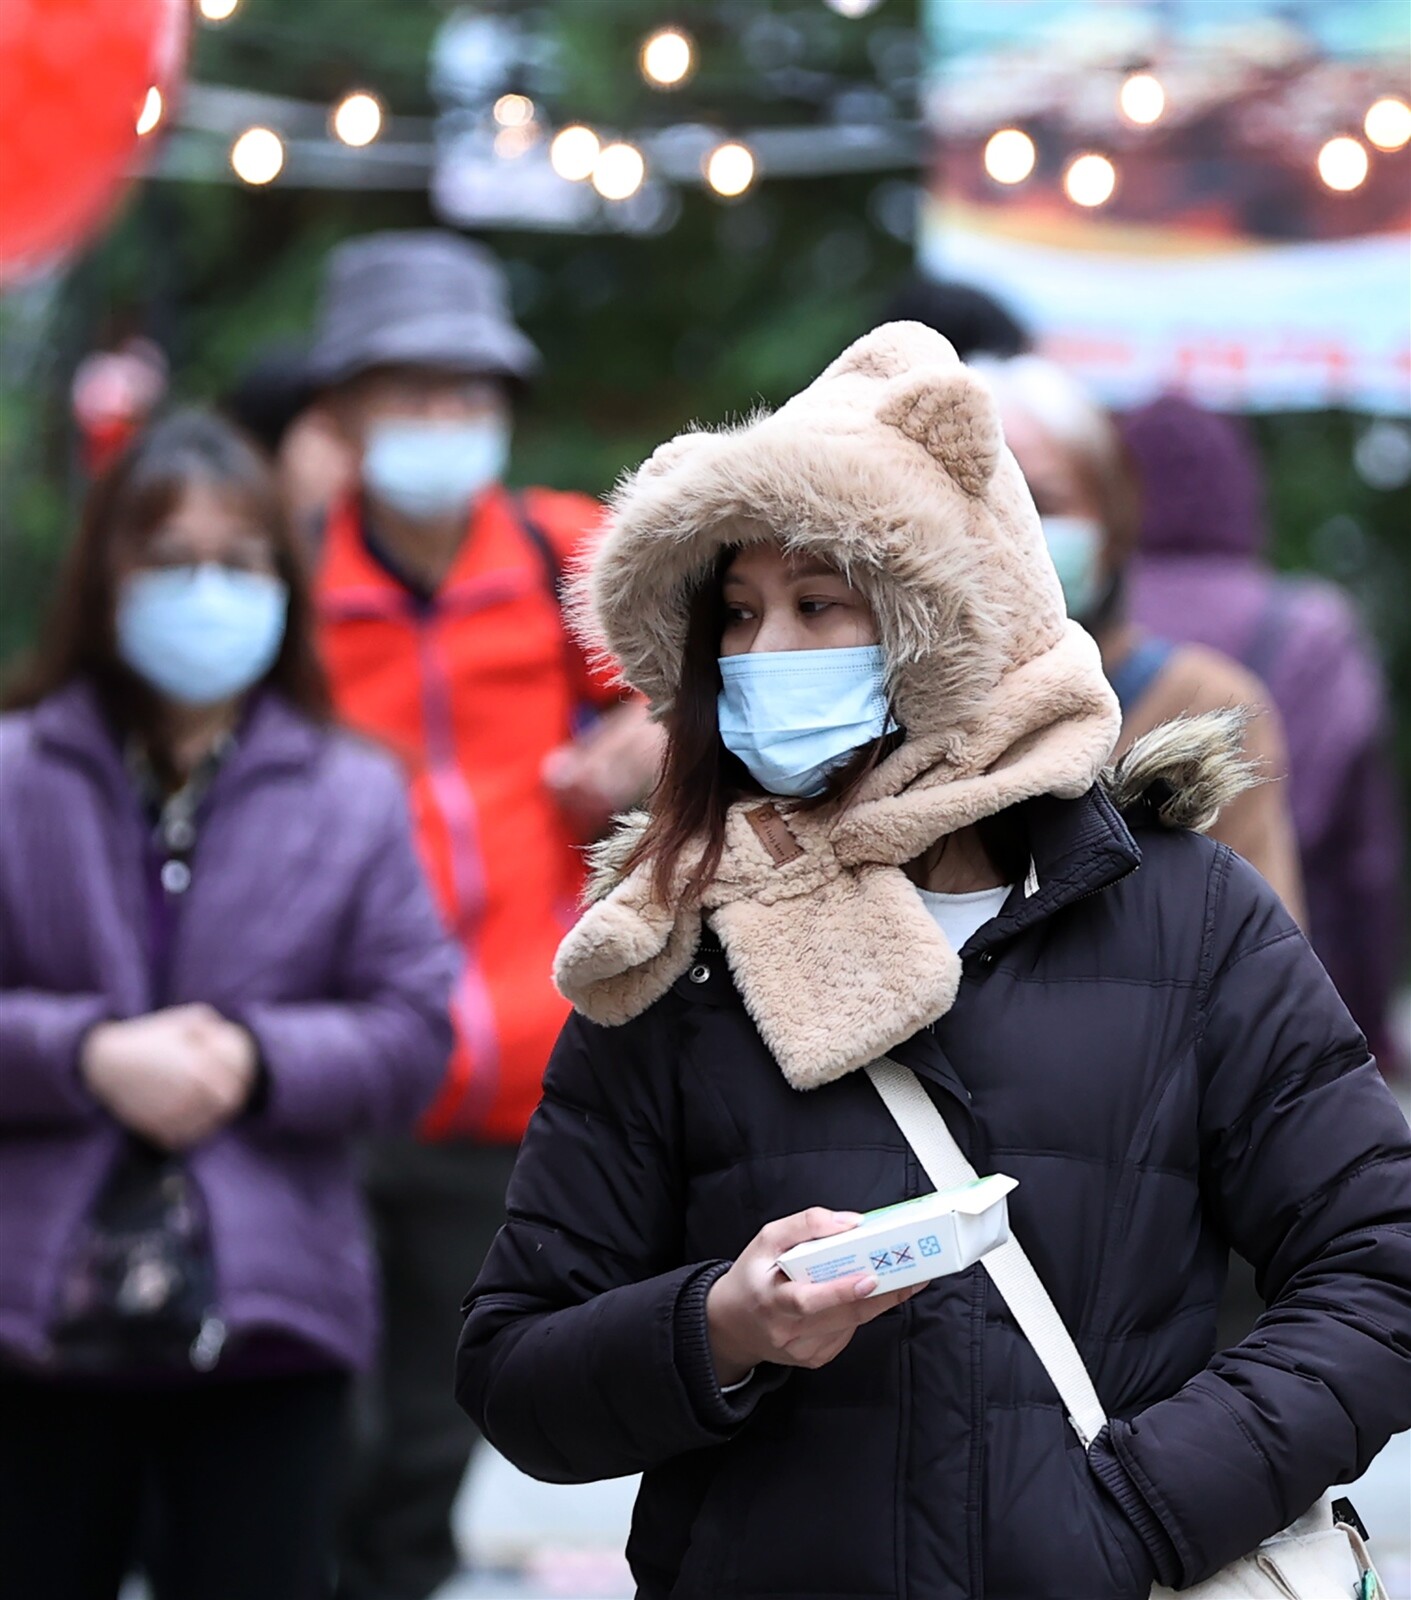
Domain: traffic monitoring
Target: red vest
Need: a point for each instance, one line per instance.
(473, 689)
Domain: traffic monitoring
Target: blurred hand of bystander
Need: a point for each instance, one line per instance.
(175, 1076)
(606, 771)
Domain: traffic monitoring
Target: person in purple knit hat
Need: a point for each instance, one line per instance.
(1203, 577)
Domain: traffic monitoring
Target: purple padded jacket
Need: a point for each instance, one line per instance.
(307, 920)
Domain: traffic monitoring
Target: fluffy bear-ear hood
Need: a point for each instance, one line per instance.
(892, 466)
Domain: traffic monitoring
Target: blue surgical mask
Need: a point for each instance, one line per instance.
(429, 469)
(1075, 544)
(201, 634)
(792, 716)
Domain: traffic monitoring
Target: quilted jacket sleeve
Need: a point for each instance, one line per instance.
(40, 1039)
(584, 1352)
(1308, 1168)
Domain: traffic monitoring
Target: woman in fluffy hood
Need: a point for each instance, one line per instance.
(885, 828)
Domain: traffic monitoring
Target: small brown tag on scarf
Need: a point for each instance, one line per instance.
(774, 834)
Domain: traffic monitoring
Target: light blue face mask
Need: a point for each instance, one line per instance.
(1075, 544)
(429, 469)
(201, 634)
(792, 716)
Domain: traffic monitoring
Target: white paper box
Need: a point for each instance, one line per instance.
(912, 1242)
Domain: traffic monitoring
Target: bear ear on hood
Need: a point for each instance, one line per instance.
(953, 418)
(894, 349)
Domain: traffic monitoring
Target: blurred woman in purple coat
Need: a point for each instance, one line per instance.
(219, 967)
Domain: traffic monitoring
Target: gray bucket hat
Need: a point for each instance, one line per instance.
(425, 299)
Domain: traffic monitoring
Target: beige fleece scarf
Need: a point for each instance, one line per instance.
(835, 956)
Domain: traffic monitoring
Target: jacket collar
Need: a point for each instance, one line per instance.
(357, 578)
(1078, 848)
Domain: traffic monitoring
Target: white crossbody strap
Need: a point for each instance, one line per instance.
(1010, 1270)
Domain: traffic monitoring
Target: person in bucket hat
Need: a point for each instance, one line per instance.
(440, 622)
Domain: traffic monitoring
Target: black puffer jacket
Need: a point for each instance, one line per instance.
(1149, 1047)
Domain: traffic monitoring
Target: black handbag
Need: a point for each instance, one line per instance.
(139, 1288)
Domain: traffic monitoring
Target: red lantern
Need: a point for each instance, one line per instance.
(75, 76)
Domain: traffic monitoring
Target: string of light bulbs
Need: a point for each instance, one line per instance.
(667, 59)
(615, 167)
(1090, 178)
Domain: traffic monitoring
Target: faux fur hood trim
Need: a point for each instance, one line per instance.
(833, 953)
(1188, 770)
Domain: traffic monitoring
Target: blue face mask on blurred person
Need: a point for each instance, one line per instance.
(201, 634)
(428, 469)
(792, 716)
(1075, 544)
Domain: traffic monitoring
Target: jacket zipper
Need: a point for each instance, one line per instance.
(204, 1350)
(975, 1527)
(1102, 888)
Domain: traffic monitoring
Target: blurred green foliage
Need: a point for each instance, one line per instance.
(735, 303)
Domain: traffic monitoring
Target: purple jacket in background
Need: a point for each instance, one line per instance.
(1203, 578)
(307, 920)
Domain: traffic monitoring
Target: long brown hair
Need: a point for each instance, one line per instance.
(123, 510)
(700, 778)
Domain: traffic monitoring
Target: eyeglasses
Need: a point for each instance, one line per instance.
(412, 388)
(233, 561)
(173, 550)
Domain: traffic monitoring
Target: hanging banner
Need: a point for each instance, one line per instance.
(1178, 195)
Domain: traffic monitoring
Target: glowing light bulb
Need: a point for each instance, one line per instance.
(1010, 155)
(574, 153)
(1343, 164)
(1388, 123)
(619, 172)
(1141, 99)
(511, 143)
(257, 156)
(514, 111)
(151, 114)
(357, 119)
(218, 10)
(730, 169)
(667, 58)
(1090, 180)
(853, 8)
